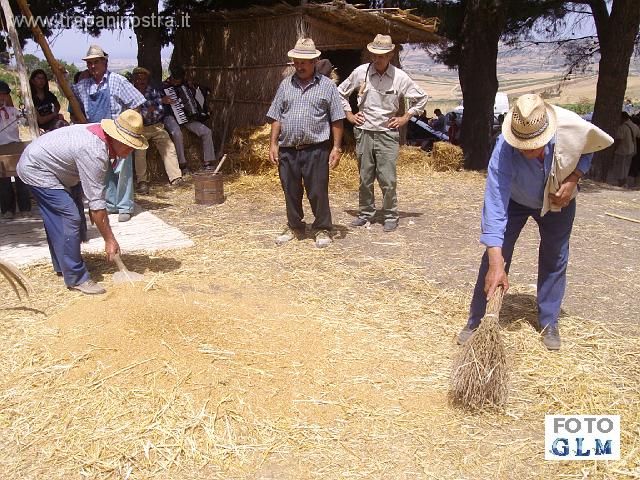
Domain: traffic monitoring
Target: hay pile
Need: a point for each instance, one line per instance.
(243, 360)
(446, 157)
(248, 150)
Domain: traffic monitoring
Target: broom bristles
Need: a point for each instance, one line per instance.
(15, 278)
(479, 375)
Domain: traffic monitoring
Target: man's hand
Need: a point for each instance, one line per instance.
(399, 122)
(334, 157)
(563, 196)
(112, 248)
(496, 275)
(167, 101)
(357, 119)
(274, 154)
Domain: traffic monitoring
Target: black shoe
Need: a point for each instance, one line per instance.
(143, 188)
(464, 335)
(359, 222)
(390, 225)
(551, 337)
(185, 170)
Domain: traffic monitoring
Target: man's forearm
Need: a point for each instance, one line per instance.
(275, 133)
(337, 128)
(495, 256)
(101, 220)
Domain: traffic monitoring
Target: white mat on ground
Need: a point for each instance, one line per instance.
(23, 240)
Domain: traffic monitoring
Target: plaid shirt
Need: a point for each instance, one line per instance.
(154, 115)
(123, 94)
(305, 113)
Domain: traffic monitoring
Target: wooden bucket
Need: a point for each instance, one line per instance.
(209, 188)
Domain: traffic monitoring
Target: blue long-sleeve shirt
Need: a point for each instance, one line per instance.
(512, 176)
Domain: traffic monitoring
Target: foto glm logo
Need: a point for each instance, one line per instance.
(582, 437)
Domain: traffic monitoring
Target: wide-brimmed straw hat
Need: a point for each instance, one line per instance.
(127, 129)
(305, 49)
(95, 51)
(381, 44)
(530, 124)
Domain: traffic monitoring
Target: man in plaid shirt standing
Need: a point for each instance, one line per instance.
(305, 112)
(104, 95)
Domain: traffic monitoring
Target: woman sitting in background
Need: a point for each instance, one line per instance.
(45, 102)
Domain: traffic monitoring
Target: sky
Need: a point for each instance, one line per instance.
(72, 45)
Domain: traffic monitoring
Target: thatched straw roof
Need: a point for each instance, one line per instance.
(338, 16)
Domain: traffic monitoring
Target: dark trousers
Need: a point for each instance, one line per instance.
(553, 257)
(8, 196)
(308, 170)
(62, 216)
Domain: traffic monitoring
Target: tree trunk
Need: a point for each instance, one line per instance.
(149, 39)
(616, 35)
(481, 30)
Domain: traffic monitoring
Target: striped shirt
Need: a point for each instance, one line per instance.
(63, 157)
(123, 94)
(382, 95)
(305, 113)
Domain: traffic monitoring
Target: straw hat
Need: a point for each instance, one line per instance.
(530, 124)
(381, 44)
(95, 51)
(305, 49)
(141, 70)
(127, 129)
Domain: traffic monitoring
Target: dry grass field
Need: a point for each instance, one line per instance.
(238, 359)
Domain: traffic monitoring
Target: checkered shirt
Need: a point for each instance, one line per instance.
(150, 115)
(123, 94)
(305, 113)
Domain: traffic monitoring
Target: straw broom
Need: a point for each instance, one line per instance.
(479, 376)
(16, 279)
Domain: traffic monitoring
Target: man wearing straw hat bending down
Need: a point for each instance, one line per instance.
(54, 164)
(305, 112)
(381, 88)
(533, 172)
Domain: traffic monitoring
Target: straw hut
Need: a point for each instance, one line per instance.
(242, 55)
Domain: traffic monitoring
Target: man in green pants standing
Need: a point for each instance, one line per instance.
(381, 88)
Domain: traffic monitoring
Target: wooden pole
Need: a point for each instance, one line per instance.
(55, 66)
(22, 71)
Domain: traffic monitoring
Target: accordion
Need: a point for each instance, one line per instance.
(188, 104)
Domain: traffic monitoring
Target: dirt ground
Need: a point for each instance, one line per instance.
(238, 359)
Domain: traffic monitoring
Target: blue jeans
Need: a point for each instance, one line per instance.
(553, 257)
(120, 187)
(62, 217)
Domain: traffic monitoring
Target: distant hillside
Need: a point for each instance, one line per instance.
(520, 69)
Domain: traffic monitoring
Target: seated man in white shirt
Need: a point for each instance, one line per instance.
(9, 122)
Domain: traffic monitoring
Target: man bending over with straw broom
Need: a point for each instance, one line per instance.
(53, 166)
(533, 172)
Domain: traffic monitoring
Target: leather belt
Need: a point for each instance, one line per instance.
(304, 146)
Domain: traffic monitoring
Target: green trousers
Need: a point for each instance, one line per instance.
(377, 157)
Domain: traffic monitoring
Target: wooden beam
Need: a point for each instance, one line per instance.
(22, 71)
(55, 66)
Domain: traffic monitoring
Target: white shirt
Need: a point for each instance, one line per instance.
(63, 157)
(627, 133)
(380, 100)
(9, 122)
